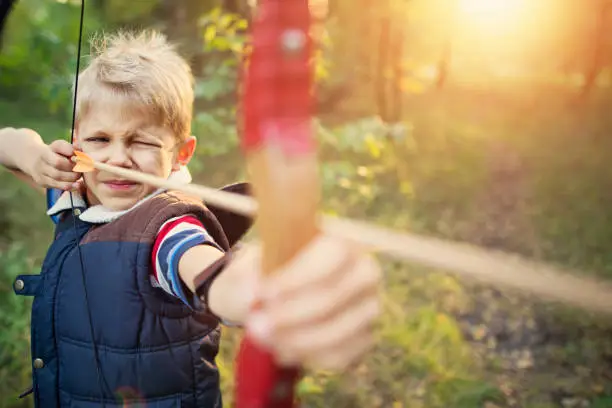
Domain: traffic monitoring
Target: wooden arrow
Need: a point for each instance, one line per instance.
(487, 266)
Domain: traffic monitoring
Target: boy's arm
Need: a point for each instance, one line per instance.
(195, 260)
(222, 300)
(182, 254)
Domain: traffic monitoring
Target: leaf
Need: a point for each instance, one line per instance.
(308, 386)
(373, 146)
(407, 189)
(242, 24)
(221, 43)
(209, 33)
(225, 20)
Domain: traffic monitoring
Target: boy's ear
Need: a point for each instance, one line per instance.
(185, 152)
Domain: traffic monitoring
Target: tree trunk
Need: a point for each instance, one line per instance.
(447, 48)
(598, 55)
(397, 96)
(382, 68)
(444, 63)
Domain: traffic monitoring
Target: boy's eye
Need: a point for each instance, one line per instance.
(145, 143)
(97, 139)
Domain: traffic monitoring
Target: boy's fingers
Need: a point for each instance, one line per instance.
(59, 175)
(51, 183)
(301, 308)
(335, 334)
(57, 161)
(319, 262)
(62, 147)
(338, 358)
(314, 313)
(342, 357)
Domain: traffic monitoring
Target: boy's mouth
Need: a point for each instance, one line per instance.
(120, 184)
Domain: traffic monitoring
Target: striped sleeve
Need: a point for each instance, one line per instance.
(174, 238)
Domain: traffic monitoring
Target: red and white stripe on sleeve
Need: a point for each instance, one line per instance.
(176, 236)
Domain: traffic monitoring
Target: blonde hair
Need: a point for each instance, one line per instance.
(145, 71)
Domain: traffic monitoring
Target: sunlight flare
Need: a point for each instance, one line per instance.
(491, 11)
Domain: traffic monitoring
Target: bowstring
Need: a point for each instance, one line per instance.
(101, 380)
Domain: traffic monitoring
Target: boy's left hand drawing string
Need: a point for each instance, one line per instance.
(488, 266)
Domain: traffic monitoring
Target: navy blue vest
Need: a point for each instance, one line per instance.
(152, 350)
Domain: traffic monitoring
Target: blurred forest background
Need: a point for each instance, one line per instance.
(484, 121)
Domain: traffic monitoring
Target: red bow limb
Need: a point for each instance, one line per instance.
(278, 144)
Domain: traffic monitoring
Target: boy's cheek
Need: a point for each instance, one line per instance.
(89, 189)
(88, 180)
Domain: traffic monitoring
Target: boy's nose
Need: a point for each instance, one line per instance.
(119, 156)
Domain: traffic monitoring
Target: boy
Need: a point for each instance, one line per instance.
(118, 312)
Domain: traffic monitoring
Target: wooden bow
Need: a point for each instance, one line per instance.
(278, 144)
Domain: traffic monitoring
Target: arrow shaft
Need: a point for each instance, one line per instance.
(487, 266)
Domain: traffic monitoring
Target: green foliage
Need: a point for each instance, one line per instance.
(224, 31)
(14, 320)
(214, 126)
(117, 12)
(214, 136)
(224, 41)
(39, 54)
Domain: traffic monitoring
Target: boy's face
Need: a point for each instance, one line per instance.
(124, 136)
